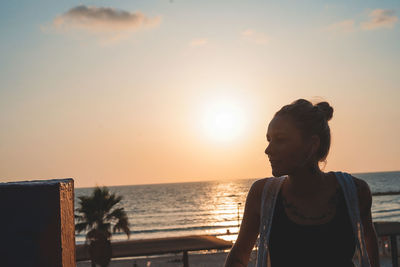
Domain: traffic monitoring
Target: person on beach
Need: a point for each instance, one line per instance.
(303, 215)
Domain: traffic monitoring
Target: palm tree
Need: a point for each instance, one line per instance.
(98, 214)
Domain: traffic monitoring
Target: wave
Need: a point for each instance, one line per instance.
(387, 218)
(384, 211)
(179, 229)
(386, 193)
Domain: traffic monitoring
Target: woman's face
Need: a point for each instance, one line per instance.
(287, 150)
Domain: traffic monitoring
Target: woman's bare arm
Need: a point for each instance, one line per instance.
(240, 252)
(365, 203)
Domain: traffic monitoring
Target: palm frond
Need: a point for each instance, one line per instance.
(79, 227)
(122, 225)
(116, 214)
(122, 221)
(79, 217)
(95, 213)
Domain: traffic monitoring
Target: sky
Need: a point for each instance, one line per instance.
(141, 92)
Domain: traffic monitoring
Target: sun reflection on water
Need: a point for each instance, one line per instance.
(227, 210)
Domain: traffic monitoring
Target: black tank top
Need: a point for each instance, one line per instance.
(331, 244)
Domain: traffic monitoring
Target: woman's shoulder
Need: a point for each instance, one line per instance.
(364, 195)
(255, 194)
(257, 188)
(361, 185)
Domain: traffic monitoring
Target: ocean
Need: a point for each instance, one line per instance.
(215, 207)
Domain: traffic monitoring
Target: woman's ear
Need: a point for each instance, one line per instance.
(315, 143)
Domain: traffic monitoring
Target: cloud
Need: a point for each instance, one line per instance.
(380, 18)
(198, 42)
(255, 37)
(103, 19)
(345, 26)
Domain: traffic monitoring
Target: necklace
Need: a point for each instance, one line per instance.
(296, 211)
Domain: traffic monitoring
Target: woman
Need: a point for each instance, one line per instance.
(305, 217)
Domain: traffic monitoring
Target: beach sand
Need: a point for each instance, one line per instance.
(195, 260)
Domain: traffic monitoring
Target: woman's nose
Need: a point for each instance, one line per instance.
(268, 149)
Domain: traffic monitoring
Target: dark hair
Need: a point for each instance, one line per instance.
(311, 120)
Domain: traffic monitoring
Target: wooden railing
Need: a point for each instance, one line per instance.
(392, 230)
(158, 246)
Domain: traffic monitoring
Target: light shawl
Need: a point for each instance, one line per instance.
(269, 196)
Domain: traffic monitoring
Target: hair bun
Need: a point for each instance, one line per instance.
(325, 108)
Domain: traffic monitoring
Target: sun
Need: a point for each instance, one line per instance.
(223, 120)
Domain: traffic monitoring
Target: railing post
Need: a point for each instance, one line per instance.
(185, 259)
(393, 249)
(38, 223)
(391, 229)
